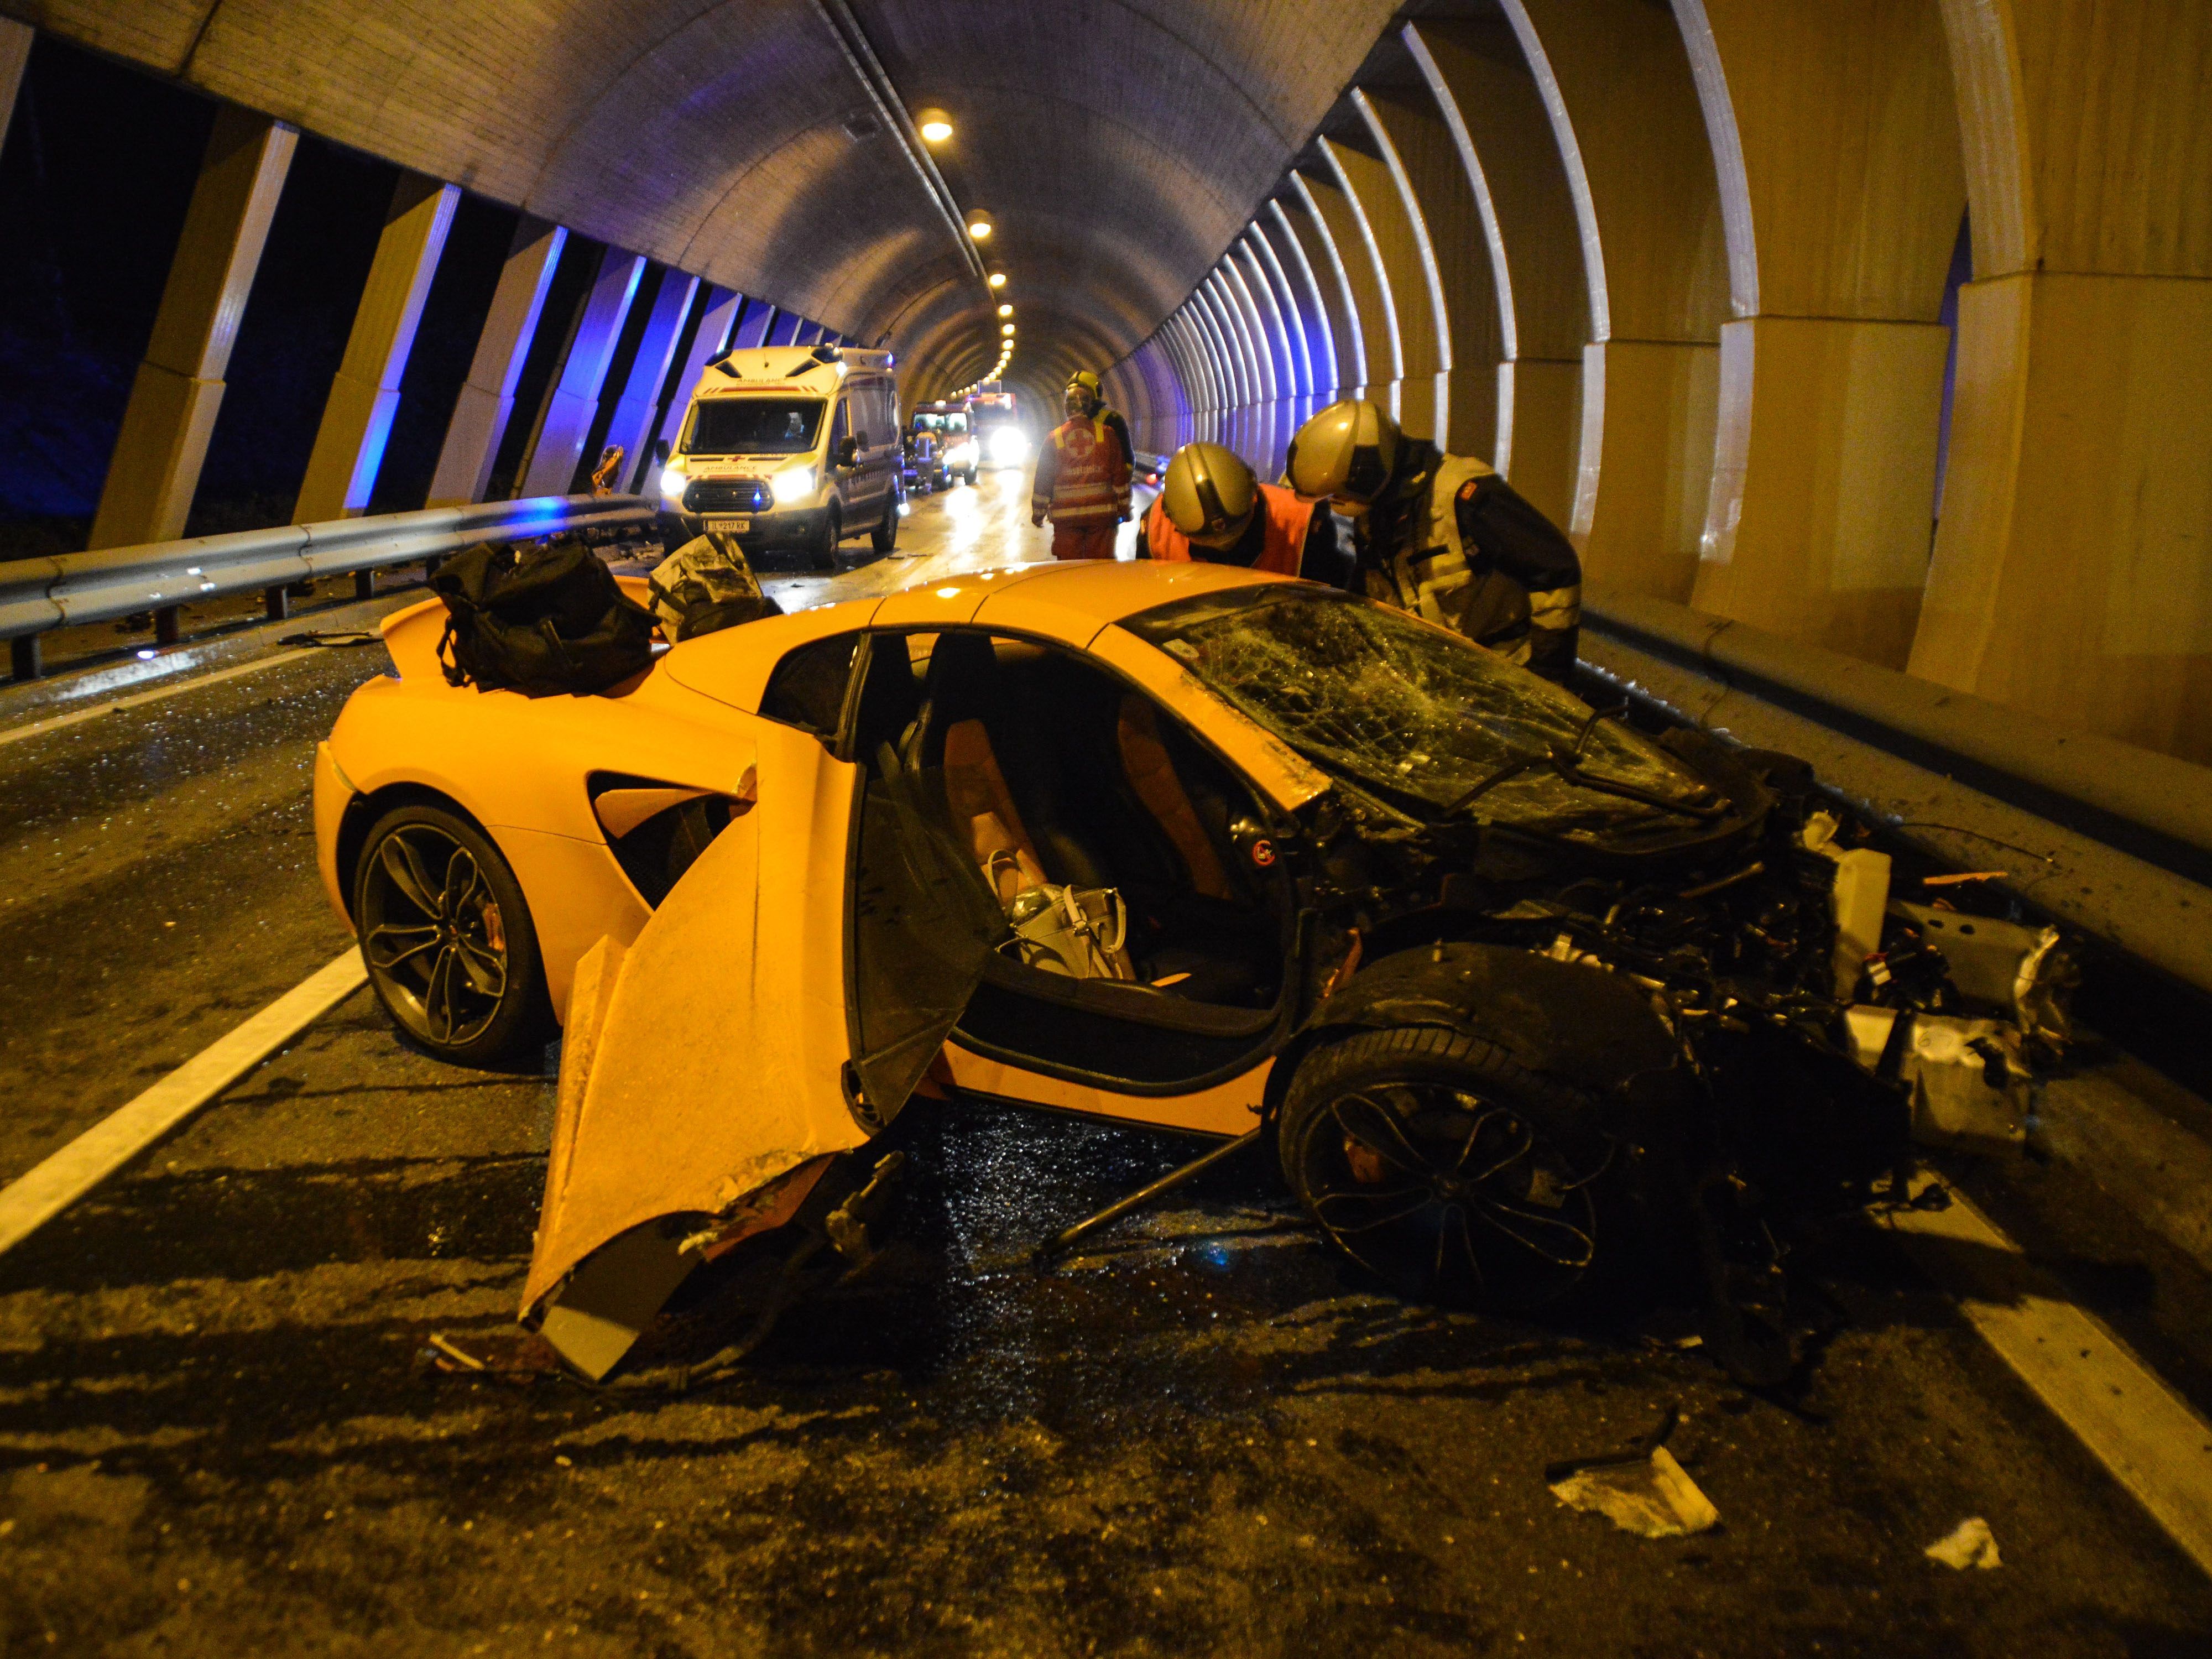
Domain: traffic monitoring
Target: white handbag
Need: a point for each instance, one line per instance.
(1081, 932)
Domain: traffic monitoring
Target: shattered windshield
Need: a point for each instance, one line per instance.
(1416, 712)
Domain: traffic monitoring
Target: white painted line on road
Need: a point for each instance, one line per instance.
(2153, 1443)
(27, 1204)
(78, 716)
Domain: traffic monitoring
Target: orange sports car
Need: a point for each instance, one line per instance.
(1176, 845)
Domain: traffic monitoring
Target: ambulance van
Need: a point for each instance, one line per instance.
(790, 447)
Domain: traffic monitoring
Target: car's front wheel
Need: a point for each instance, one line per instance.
(447, 939)
(885, 536)
(1458, 1176)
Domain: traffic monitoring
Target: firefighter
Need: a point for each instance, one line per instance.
(1211, 507)
(1094, 398)
(1082, 481)
(1445, 536)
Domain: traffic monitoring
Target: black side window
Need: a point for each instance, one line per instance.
(807, 690)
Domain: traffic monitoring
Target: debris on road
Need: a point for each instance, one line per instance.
(338, 638)
(1641, 1489)
(520, 1359)
(1969, 1543)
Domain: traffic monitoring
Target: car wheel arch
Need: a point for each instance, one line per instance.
(1491, 991)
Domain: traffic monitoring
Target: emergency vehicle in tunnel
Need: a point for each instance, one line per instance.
(790, 447)
(951, 451)
(1002, 437)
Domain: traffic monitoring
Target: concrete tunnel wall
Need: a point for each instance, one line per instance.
(1679, 271)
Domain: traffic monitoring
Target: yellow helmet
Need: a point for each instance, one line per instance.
(1084, 384)
(1209, 493)
(1346, 452)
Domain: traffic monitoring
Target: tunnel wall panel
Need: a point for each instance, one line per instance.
(2069, 575)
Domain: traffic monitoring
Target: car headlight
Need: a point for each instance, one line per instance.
(1008, 447)
(672, 483)
(793, 483)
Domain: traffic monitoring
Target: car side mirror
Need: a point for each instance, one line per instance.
(848, 452)
(660, 450)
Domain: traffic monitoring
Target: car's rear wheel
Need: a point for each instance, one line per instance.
(886, 531)
(1451, 1172)
(447, 938)
(823, 555)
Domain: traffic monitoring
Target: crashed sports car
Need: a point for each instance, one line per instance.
(1524, 999)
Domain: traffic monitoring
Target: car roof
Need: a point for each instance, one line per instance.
(1073, 601)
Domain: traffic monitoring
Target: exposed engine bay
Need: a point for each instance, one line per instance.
(1823, 1021)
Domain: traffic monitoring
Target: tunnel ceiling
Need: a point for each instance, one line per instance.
(1119, 144)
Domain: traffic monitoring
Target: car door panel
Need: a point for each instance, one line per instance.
(705, 1060)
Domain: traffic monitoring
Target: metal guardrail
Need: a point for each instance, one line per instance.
(2169, 798)
(39, 595)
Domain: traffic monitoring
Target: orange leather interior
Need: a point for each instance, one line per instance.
(1151, 773)
(976, 790)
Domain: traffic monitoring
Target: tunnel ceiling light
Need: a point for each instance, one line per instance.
(998, 279)
(1005, 328)
(980, 223)
(1006, 310)
(934, 125)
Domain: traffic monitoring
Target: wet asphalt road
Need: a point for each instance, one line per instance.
(1207, 1436)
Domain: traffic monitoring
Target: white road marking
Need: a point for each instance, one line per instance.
(28, 1203)
(78, 716)
(2153, 1443)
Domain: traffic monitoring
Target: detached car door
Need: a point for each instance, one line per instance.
(779, 1005)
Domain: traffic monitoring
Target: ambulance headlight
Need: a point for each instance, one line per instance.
(1008, 447)
(672, 484)
(793, 483)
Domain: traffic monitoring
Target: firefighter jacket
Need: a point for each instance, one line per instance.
(1462, 549)
(1082, 476)
(1276, 539)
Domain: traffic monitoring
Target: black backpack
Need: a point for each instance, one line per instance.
(542, 622)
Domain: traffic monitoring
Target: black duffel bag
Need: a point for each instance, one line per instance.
(543, 622)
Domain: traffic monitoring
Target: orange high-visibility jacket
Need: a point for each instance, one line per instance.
(1082, 477)
(1288, 520)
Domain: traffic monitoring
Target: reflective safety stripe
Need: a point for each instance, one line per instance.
(1557, 607)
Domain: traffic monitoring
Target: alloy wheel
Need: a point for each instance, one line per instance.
(432, 932)
(1457, 1197)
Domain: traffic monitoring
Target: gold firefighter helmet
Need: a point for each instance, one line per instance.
(1346, 453)
(1209, 494)
(1085, 385)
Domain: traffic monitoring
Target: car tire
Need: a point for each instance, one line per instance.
(885, 537)
(446, 936)
(1448, 1169)
(823, 555)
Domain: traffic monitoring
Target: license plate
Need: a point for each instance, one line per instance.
(731, 526)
